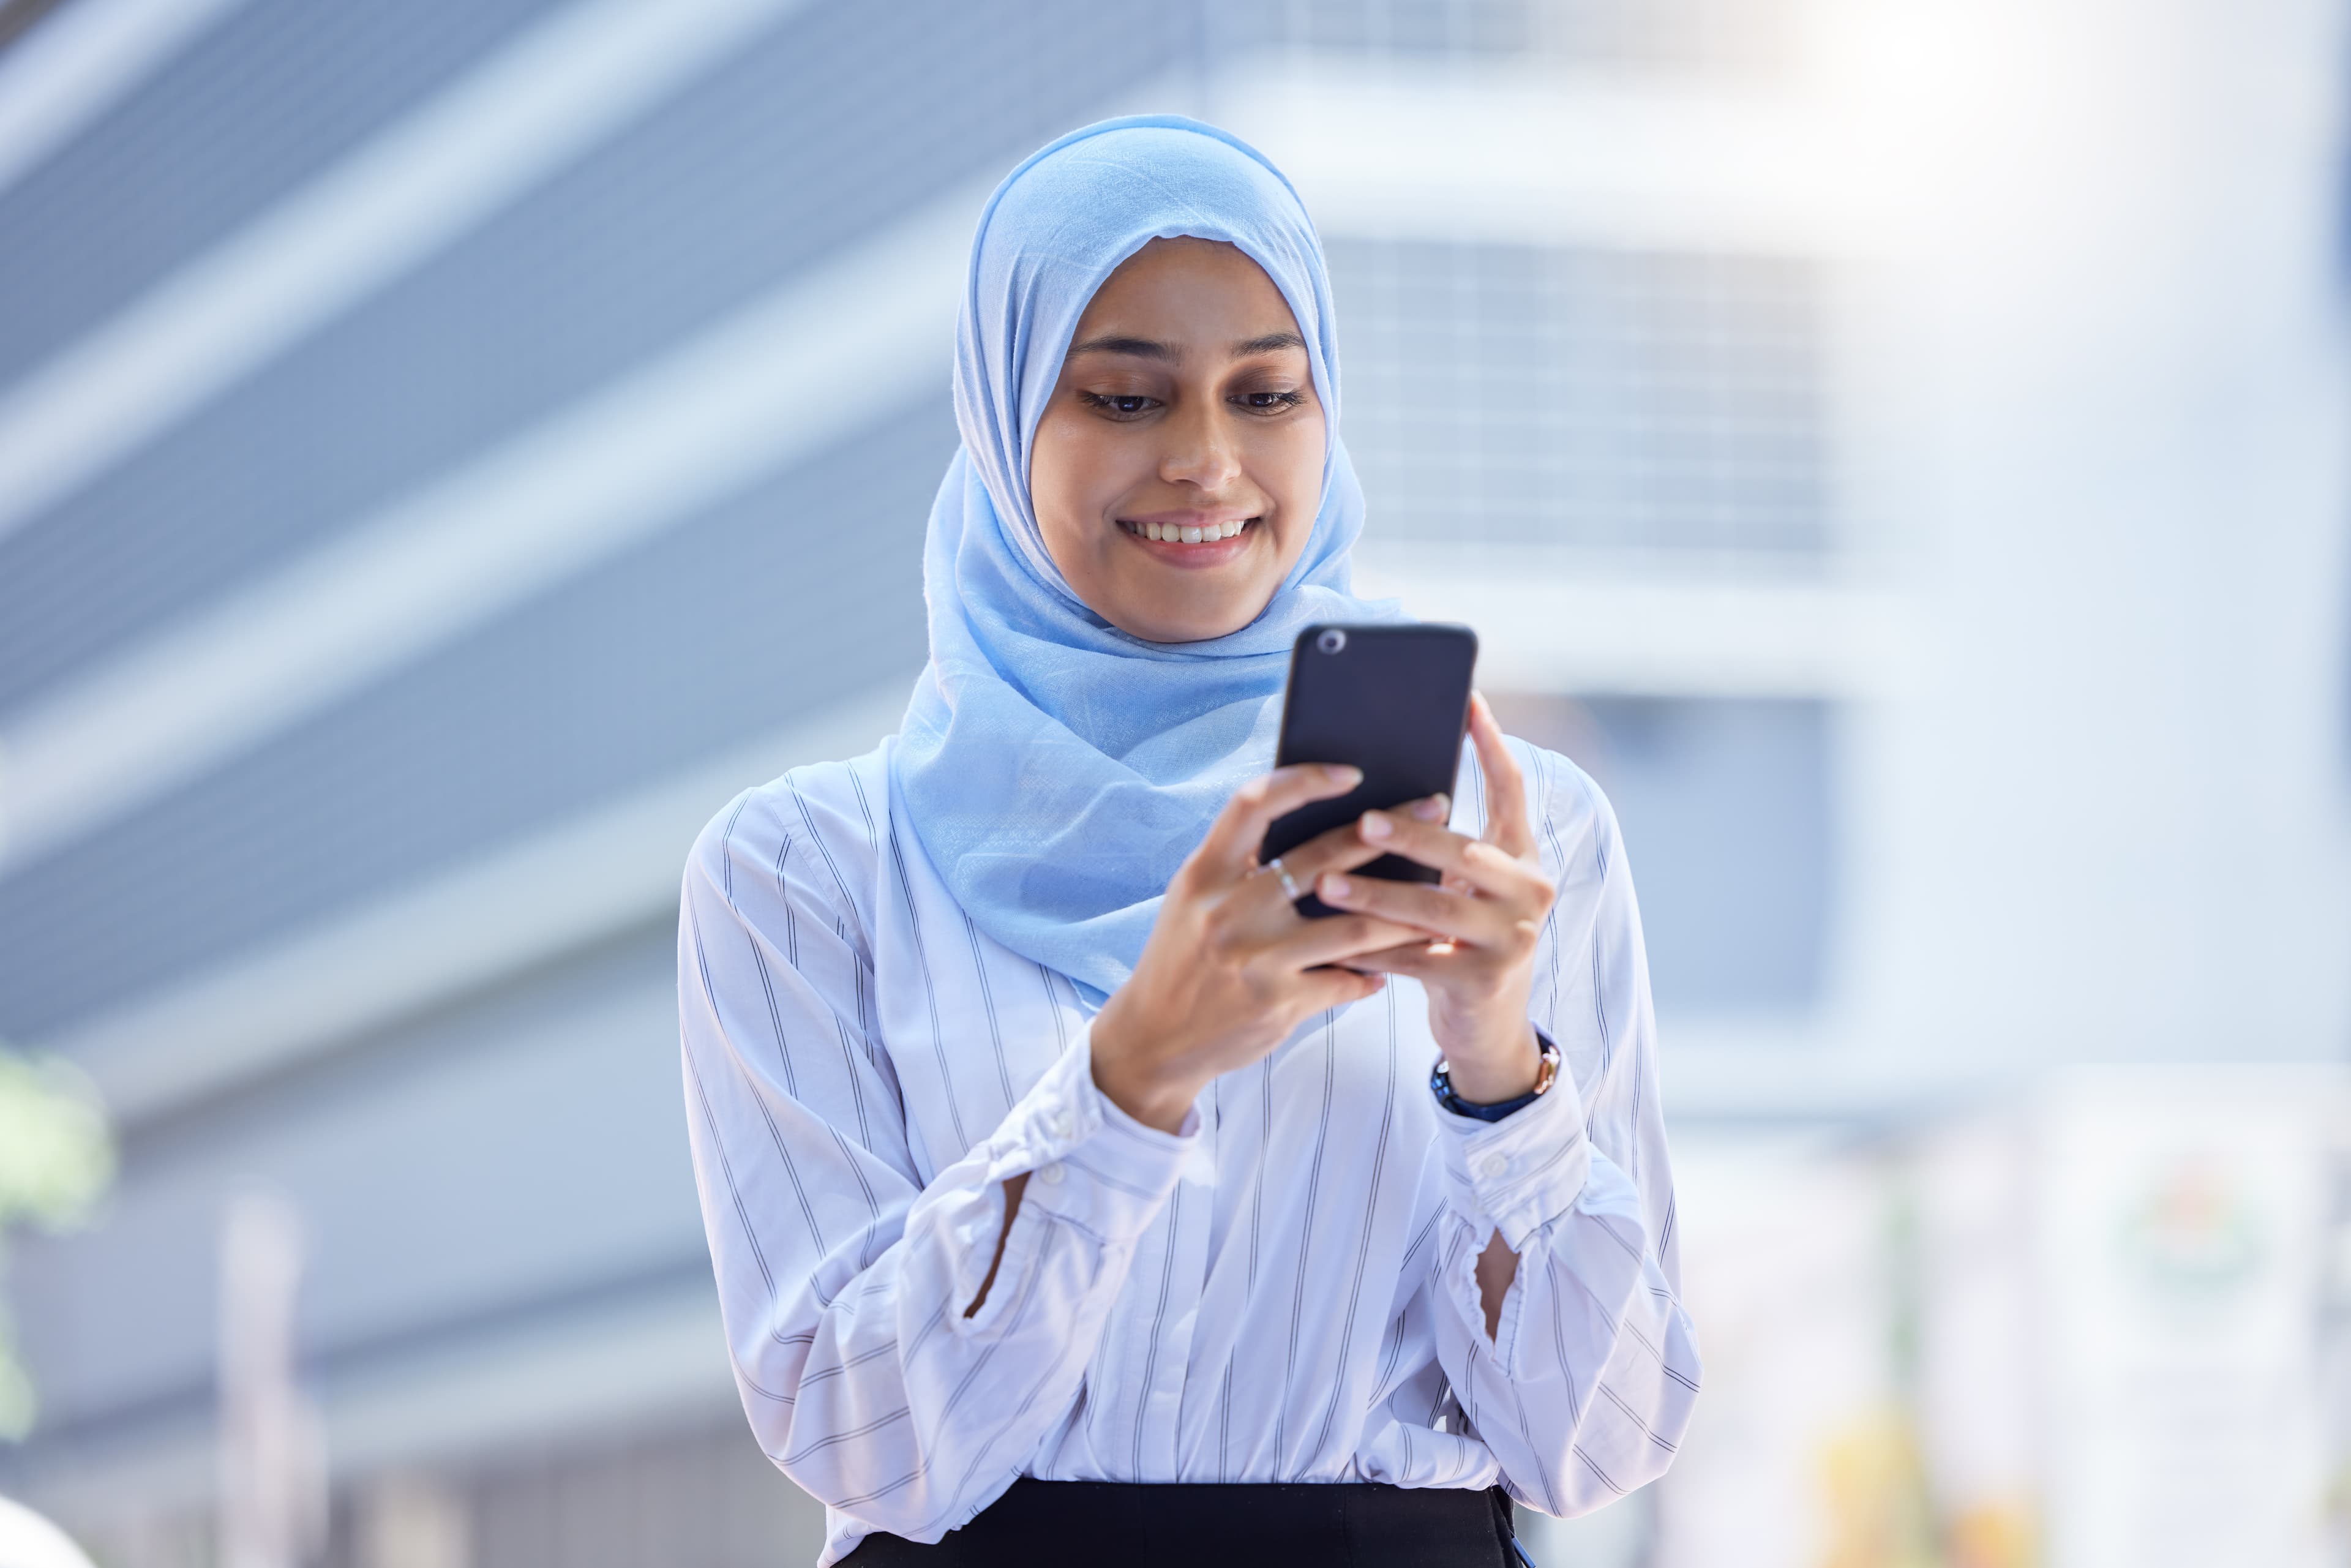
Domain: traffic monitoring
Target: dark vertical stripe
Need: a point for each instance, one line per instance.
(1363, 1244)
(767, 990)
(1559, 1335)
(1264, 1157)
(808, 819)
(726, 1170)
(1306, 1227)
(734, 1194)
(1387, 1363)
(1225, 1427)
(857, 786)
(1525, 1436)
(988, 1003)
(930, 997)
(1054, 1008)
(856, 1092)
(1559, 863)
(727, 849)
(873, 1205)
(1158, 1321)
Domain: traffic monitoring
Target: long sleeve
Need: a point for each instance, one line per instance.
(843, 1278)
(1585, 1386)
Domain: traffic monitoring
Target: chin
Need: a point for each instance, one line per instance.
(1197, 621)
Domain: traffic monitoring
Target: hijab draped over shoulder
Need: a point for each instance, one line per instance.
(1057, 770)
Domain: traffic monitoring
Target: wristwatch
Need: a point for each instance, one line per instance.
(1441, 1085)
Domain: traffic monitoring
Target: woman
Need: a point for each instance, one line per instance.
(1037, 1136)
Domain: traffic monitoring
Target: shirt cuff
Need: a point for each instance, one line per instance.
(1521, 1172)
(1090, 1162)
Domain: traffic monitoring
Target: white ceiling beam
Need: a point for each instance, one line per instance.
(523, 903)
(528, 110)
(795, 373)
(76, 64)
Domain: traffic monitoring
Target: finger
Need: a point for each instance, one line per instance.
(1421, 960)
(1481, 923)
(1340, 849)
(1337, 988)
(1230, 846)
(1506, 787)
(1336, 939)
(1468, 863)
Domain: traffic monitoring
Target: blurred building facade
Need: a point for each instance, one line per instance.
(447, 450)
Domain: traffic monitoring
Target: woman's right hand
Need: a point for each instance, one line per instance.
(1231, 968)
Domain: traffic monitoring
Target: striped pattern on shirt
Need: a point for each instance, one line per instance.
(1283, 1292)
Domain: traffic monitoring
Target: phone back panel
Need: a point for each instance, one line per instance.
(1391, 700)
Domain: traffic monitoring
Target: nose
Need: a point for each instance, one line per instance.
(1199, 448)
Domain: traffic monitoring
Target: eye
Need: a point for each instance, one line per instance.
(1118, 405)
(1269, 402)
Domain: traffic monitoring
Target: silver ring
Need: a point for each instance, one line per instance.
(1289, 888)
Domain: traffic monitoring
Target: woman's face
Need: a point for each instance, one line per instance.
(1185, 409)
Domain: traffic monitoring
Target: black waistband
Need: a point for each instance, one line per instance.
(1350, 1526)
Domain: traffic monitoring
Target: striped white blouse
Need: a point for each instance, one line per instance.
(1283, 1292)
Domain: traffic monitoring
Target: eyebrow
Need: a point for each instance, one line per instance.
(1149, 348)
(1139, 348)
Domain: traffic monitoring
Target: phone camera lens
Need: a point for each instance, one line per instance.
(1332, 641)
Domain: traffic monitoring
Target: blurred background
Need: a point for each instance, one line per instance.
(1901, 447)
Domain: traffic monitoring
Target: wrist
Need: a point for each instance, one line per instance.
(1144, 1090)
(1488, 1075)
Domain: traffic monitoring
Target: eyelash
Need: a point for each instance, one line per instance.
(1283, 402)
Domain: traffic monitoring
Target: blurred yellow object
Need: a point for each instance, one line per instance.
(55, 1160)
(1992, 1535)
(1876, 1497)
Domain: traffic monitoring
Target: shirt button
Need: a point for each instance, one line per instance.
(1062, 1124)
(1050, 1175)
(1495, 1166)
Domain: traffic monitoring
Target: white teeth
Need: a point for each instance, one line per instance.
(1171, 533)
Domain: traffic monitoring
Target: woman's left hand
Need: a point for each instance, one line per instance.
(1485, 918)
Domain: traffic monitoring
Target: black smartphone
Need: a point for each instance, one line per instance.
(1393, 700)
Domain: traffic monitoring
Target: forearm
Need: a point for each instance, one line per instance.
(900, 1391)
(1579, 1369)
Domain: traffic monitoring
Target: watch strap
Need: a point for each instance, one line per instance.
(1440, 1084)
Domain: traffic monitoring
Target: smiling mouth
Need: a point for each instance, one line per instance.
(1188, 533)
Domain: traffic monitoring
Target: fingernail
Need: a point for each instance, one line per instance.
(1341, 773)
(1435, 808)
(1376, 827)
(1336, 887)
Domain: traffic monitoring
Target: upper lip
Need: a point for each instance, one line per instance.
(1186, 520)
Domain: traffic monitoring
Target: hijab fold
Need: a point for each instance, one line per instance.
(1057, 770)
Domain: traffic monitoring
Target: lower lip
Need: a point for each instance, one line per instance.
(1199, 555)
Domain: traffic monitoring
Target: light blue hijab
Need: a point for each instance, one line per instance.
(1056, 769)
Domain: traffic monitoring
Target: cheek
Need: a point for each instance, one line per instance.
(1058, 469)
(1293, 473)
(1074, 473)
